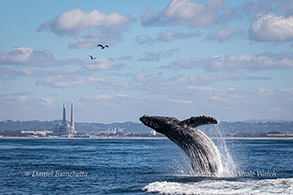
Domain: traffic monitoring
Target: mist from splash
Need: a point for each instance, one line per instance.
(228, 165)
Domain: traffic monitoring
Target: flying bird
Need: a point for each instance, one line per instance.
(102, 46)
(92, 58)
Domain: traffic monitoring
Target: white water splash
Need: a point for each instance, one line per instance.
(220, 156)
(248, 186)
(229, 167)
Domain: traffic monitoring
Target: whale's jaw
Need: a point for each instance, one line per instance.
(203, 154)
(159, 123)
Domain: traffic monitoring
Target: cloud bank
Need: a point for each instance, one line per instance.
(88, 26)
(186, 12)
(241, 63)
(75, 82)
(171, 35)
(269, 27)
(77, 21)
(28, 56)
(224, 34)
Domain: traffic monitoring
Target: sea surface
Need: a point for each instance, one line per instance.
(140, 166)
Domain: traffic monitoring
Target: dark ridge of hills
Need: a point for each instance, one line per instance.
(240, 128)
(82, 127)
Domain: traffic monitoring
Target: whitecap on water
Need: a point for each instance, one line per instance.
(246, 186)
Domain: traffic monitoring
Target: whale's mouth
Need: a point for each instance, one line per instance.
(149, 121)
(160, 124)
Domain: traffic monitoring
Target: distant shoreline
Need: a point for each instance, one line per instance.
(83, 138)
(255, 138)
(155, 138)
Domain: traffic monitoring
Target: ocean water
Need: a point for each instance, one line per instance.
(139, 166)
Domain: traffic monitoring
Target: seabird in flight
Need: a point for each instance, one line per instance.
(92, 58)
(102, 46)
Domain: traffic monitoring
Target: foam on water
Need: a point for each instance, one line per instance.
(245, 186)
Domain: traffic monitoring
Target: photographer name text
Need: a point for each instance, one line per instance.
(56, 174)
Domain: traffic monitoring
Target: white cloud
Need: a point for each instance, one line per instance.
(102, 64)
(42, 58)
(287, 7)
(125, 58)
(222, 103)
(82, 43)
(178, 84)
(95, 98)
(7, 73)
(112, 108)
(90, 39)
(185, 12)
(90, 27)
(61, 82)
(16, 55)
(17, 105)
(170, 36)
(224, 34)
(25, 56)
(269, 27)
(76, 21)
(13, 98)
(241, 63)
(29, 71)
(64, 72)
(47, 101)
(180, 101)
(151, 56)
(75, 82)
(253, 8)
(144, 40)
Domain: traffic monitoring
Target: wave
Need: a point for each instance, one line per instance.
(245, 186)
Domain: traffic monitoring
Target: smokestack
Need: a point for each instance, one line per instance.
(64, 116)
(72, 118)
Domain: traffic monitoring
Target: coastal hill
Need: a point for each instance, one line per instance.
(251, 128)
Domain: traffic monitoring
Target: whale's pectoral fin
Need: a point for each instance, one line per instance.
(198, 121)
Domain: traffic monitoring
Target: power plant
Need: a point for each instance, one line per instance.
(64, 116)
(72, 129)
(65, 128)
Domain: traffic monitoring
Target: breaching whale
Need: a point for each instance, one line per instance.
(203, 154)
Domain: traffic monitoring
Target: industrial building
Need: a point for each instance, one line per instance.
(66, 128)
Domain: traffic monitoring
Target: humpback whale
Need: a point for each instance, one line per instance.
(203, 154)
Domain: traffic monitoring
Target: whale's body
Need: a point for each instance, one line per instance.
(203, 154)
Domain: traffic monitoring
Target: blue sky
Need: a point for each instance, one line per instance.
(229, 59)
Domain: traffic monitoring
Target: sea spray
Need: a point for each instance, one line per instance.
(221, 186)
(229, 167)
